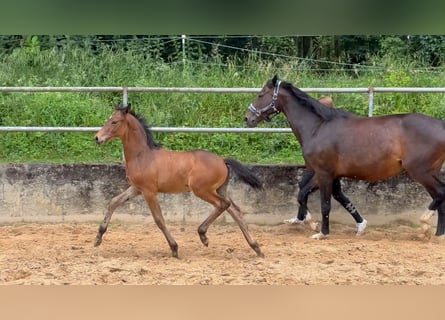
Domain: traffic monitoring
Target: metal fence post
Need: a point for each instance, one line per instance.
(370, 101)
(124, 104)
(124, 96)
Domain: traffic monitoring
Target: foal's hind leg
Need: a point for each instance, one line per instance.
(338, 195)
(118, 200)
(220, 205)
(237, 216)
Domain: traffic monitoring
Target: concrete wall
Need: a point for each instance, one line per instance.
(46, 192)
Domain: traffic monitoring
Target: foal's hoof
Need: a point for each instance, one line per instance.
(204, 239)
(319, 236)
(258, 251)
(98, 242)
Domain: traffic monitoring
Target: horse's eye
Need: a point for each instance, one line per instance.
(113, 122)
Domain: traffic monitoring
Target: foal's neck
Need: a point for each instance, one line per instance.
(134, 140)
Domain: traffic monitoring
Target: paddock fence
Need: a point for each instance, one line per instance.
(126, 90)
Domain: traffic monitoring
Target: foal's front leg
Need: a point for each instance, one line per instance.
(153, 204)
(118, 200)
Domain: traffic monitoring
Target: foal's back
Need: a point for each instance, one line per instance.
(180, 171)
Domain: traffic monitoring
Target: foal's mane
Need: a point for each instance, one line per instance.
(150, 141)
(324, 112)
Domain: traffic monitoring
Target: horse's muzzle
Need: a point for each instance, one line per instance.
(251, 122)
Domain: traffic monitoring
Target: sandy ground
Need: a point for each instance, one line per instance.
(43, 253)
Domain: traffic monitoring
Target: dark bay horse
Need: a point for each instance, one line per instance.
(151, 169)
(308, 185)
(336, 144)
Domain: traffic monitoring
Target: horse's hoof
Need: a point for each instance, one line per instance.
(426, 216)
(294, 220)
(319, 236)
(315, 226)
(361, 227)
(441, 237)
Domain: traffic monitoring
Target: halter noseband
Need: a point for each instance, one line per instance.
(271, 105)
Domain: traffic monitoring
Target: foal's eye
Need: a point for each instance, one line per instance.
(113, 122)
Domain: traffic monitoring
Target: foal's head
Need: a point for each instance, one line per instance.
(116, 125)
(266, 104)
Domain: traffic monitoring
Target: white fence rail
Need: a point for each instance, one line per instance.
(125, 90)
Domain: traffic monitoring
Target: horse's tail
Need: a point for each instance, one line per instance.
(244, 173)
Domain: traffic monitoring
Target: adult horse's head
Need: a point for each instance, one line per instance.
(115, 126)
(266, 104)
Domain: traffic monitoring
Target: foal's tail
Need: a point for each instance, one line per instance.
(244, 173)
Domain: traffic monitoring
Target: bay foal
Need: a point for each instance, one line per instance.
(152, 169)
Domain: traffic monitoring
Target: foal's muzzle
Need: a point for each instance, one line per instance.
(99, 140)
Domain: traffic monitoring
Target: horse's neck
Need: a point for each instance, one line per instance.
(134, 141)
(302, 120)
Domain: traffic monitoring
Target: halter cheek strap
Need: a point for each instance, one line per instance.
(271, 105)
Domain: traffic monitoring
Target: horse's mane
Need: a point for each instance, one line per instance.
(324, 112)
(150, 141)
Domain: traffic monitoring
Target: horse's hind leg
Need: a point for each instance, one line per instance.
(429, 178)
(440, 230)
(118, 200)
(307, 186)
(338, 195)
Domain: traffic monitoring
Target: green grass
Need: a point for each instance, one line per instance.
(77, 67)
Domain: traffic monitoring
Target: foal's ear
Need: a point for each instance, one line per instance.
(274, 80)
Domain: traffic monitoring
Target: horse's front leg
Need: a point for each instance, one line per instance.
(152, 201)
(118, 200)
(325, 186)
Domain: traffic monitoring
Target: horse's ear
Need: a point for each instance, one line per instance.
(274, 80)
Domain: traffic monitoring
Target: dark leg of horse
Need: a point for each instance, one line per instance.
(118, 200)
(436, 188)
(237, 216)
(440, 230)
(155, 209)
(306, 188)
(338, 195)
(325, 184)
